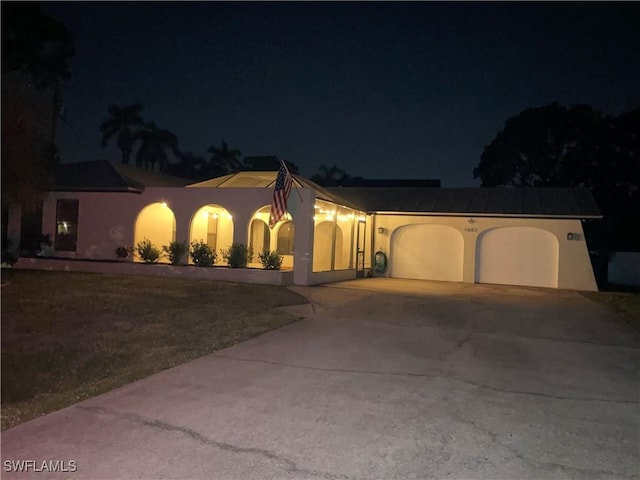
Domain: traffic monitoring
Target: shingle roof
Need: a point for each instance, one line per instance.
(542, 202)
(103, 176)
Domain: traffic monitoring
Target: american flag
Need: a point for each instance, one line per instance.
(281, 192)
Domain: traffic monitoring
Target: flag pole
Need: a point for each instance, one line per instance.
(292, 179)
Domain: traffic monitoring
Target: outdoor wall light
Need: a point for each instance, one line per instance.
(380, 230)
(569, 236)
(469, 220)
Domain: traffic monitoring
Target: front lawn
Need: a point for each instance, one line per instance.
(625, 303)
(70, 336)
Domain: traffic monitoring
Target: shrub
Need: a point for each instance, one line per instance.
(175, 251)
(32, 244)
(270, 260)
(202, 254)
(9, 255)
(123, 251)
(237, 255)
(147, 251)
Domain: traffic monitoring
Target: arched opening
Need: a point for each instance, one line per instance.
(285, 237)
(259, 238)
(279, 238)
(213, 225)
(322, 242)
(157, 223)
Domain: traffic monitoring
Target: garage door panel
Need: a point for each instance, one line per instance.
(518, 256)
(427, 252)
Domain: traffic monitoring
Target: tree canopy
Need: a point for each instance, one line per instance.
(558, 146)
(36, 54)
(35, 43)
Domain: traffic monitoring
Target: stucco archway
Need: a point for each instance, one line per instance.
(157, 223)
(212, 224)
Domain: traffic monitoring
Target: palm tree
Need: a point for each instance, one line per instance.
(120, 122)
(330, 176)
(155, 142)
(223, 161)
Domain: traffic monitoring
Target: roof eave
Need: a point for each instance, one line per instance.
(497, 215)
(98, 190)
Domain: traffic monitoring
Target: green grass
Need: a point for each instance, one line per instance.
(70, 336)
(625, 303)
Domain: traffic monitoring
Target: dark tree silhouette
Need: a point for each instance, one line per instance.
(155, 143)
(330, 176)
(35, 44)
(121, 123)
(223, 161)
(189, 166)
(557, 146)
(36, 52)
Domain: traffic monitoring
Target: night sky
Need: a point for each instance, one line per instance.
(383, 90)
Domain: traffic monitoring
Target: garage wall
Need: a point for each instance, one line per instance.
(574, 267)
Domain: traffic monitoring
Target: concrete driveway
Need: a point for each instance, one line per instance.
(388, 379)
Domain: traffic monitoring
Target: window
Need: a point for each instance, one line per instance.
(67, 225)
(285, 238)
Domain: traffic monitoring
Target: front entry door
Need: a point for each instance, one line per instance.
(360, 242)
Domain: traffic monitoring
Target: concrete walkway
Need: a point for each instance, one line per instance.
(384, 379)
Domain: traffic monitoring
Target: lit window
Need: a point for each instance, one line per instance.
(67, 225)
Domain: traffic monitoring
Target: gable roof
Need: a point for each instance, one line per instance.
(516, 202)
(104, 176)
(266, 179)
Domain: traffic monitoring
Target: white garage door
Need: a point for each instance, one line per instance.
(427, 252)
(517, 256)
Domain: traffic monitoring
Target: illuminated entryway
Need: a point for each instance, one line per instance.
(213, 225)
(517, 256)
(333, 237)
(280, 238)
(427, 252)
(157, 223)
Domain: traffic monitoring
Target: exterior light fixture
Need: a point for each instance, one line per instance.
(380, 230)
(469, 220)
(164, 204)
(569, 236)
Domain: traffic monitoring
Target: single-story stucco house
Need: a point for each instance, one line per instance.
(531, 237)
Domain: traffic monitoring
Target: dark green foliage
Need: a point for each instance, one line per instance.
(147, 251)
(175, 251)
(558, 146)
(202, 254)
(35, 43)
(237, 255)
(270, 260)
(9, 254)
(123, 251)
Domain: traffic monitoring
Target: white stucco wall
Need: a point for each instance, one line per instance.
(574, 267)
(107, 220)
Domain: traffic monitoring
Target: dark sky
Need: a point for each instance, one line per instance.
(384, 90)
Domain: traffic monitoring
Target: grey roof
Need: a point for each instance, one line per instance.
(103, 176)
(536, 202)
